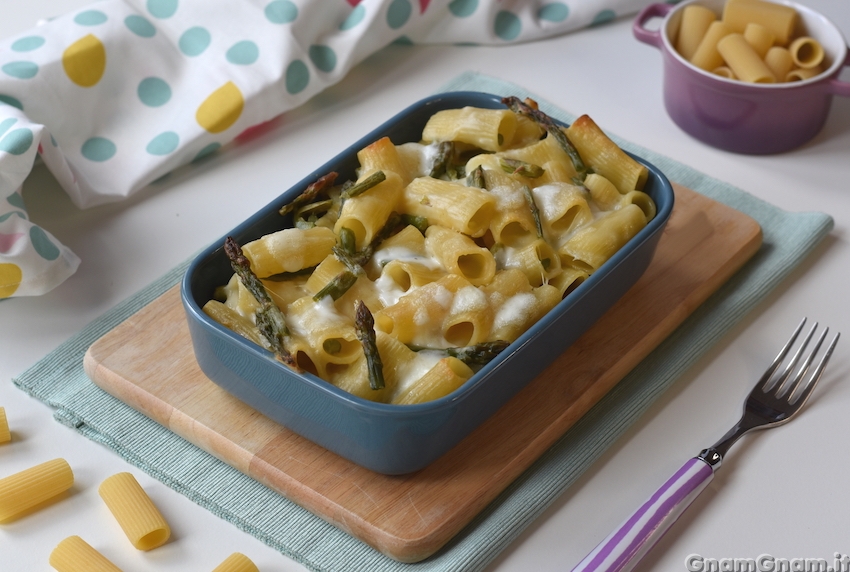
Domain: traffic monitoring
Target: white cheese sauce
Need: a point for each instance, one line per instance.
(545, 197)
(322, 315)
(389, 292)
(443, 296)
(508, 198)
(468, 299)
(383, 256)
(418, 156)
(412, 371)
(514, 310)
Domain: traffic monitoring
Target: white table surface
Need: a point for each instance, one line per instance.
(783, 493)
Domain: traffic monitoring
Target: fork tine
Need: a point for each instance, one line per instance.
(767, 382)
(784, 386)
(791, 386)
(810, 386)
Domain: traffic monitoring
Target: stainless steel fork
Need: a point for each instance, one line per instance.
(775, 399)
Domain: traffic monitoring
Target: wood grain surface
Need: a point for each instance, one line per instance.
(148, 363)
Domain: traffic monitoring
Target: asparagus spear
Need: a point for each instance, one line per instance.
(306, 216)
(420, 222)
(365, 327)
(346, 253)
(354, 261)
(310, 193)
(517, 167)
(553, 128)
(338, 285)
(442, 159)
(386, 231)
(364, 185)
(535, 212)
(347, 241)
(476, 178)
(479, 354)
(270, 320)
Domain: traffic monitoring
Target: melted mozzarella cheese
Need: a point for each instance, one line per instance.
(514, 310)
(412, 371)
(468, 299)
(418, 157)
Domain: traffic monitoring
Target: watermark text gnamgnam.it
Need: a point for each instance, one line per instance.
(768, 563)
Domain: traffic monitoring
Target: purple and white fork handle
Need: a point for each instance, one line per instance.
(625, 547)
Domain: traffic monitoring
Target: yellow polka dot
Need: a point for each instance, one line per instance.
(221, 109)
(85, 61)
(10, 278)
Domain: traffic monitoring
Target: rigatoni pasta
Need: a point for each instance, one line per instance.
(496, 216)
(135, 512)
(488, 129)
(289, 250)
(806, 52)
(74, 554)
(606, 157)
(802, 74)
(779, 60)
(236, 562)
(778, 18)
(695, 22)
(449, 204)
(31, 487)
(5, 434)
(759, 38)
(751, 41)
(706, 55)
(743, 60)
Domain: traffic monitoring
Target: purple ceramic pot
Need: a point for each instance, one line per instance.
(740, 117)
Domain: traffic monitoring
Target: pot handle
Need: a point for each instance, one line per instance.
(838, 87)
(651, 37)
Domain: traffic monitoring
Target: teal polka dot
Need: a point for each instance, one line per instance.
(98, 149)
(354, 18)
(154, 91)
(162, 8)
(140, 26)
(16, 200)
(243, 53)
(11, 214)
(297, 77)
(323, 58)
(9, 100)
(43, 245)
(554, 12)
(402, 41)
(27, 44)
(17, 141)
(281, 12)
(90, 18)
(6, 124)
(53, 141)
(194, 41)
(463, 8)
(398, 13)
(164, 143)
(603, 17)
(206, 152)
(20, 70)
(507, 25)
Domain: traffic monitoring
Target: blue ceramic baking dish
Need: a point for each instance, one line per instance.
(398, 439)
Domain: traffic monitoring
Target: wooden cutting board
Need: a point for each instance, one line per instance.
(148, 363)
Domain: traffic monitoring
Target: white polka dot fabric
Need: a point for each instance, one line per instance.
(120, 93)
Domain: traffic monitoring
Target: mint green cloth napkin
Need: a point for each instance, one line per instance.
(60, 381)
